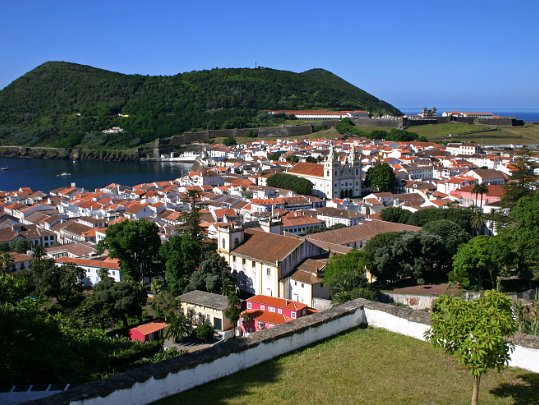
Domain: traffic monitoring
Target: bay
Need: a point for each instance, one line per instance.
(41, 174)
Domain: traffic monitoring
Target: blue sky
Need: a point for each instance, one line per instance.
(472, 53)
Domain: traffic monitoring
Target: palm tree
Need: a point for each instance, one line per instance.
(477, 221)
(178, 327)
(6, 261)
(480, 189)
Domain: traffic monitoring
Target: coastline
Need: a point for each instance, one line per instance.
(41, 152)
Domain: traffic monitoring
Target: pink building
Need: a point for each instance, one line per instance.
(467, 197)
(264, 312)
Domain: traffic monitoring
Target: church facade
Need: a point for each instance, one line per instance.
(333, 179)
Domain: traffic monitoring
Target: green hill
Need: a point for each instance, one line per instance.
(66, 104)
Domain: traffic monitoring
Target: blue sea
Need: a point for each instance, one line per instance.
(524, 114)
(42, 174)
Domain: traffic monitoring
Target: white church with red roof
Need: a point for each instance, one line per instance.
(333, 179)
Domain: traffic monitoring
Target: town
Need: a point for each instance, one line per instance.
(260, 234)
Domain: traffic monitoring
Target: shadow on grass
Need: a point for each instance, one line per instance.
(234, 386)
(524, 391)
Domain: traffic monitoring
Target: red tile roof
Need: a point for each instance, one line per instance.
(308, 169)
(149, 328)
(277, 302)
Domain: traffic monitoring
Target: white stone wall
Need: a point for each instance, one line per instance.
(267, 345)
(153, 389)
(522, 357)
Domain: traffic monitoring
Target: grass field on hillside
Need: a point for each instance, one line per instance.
(478, 133)
(528, 134)
(365, 366)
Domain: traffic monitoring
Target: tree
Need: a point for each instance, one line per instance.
(477, 221)
(380, 178)
(380, 260)
(113, 301)
(292, 158)
(12, 289)
(191, 219)
(461, 216)
(310, 159)
(181, 255)
(6, 262)
(233, 310)
(211, 275)
(165, 304)
(290, 182)
(451, 234)
(229, 141)
(204, 332)
(522, 233)
(523, 181)
(478, 263)
(178, 327)
(345, 277)
(136, 244)
(395, 214)
(65, 283)
(20, 246)
(480, 189)
(474, 332)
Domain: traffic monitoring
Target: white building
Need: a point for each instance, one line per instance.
(333, 179)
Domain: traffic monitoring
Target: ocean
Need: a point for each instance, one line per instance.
(43, 174)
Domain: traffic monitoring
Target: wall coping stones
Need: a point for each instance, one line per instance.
(127, 379)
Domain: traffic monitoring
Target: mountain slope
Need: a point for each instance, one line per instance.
(66, 104)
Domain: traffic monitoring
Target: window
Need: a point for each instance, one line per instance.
(271, 309)
(223, 243)
(236, 242)
(253, 263)
(295, 283)
(268, 271)
(293, 315)
(302, 285)
(243, 261)
(280, 311)
(217, 323)
(249, 305)
(263, 307)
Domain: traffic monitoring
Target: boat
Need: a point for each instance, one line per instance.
(185, 157)
(5, 167)
(63, 174)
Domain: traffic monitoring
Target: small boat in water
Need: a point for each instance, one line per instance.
(63, 174)
(5, 167)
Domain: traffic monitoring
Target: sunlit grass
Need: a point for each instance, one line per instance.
(369, 366)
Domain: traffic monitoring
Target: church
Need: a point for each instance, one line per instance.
(333, 179)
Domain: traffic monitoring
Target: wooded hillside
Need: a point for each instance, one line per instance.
(65, 104)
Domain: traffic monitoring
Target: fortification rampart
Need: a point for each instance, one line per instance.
(397, 123)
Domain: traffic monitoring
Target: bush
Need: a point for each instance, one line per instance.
(204, 332)
(291, 182)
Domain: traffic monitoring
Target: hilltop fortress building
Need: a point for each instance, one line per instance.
(333, 179)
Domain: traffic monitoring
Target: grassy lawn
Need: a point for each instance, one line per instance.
(478, 133)
(365, 366)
